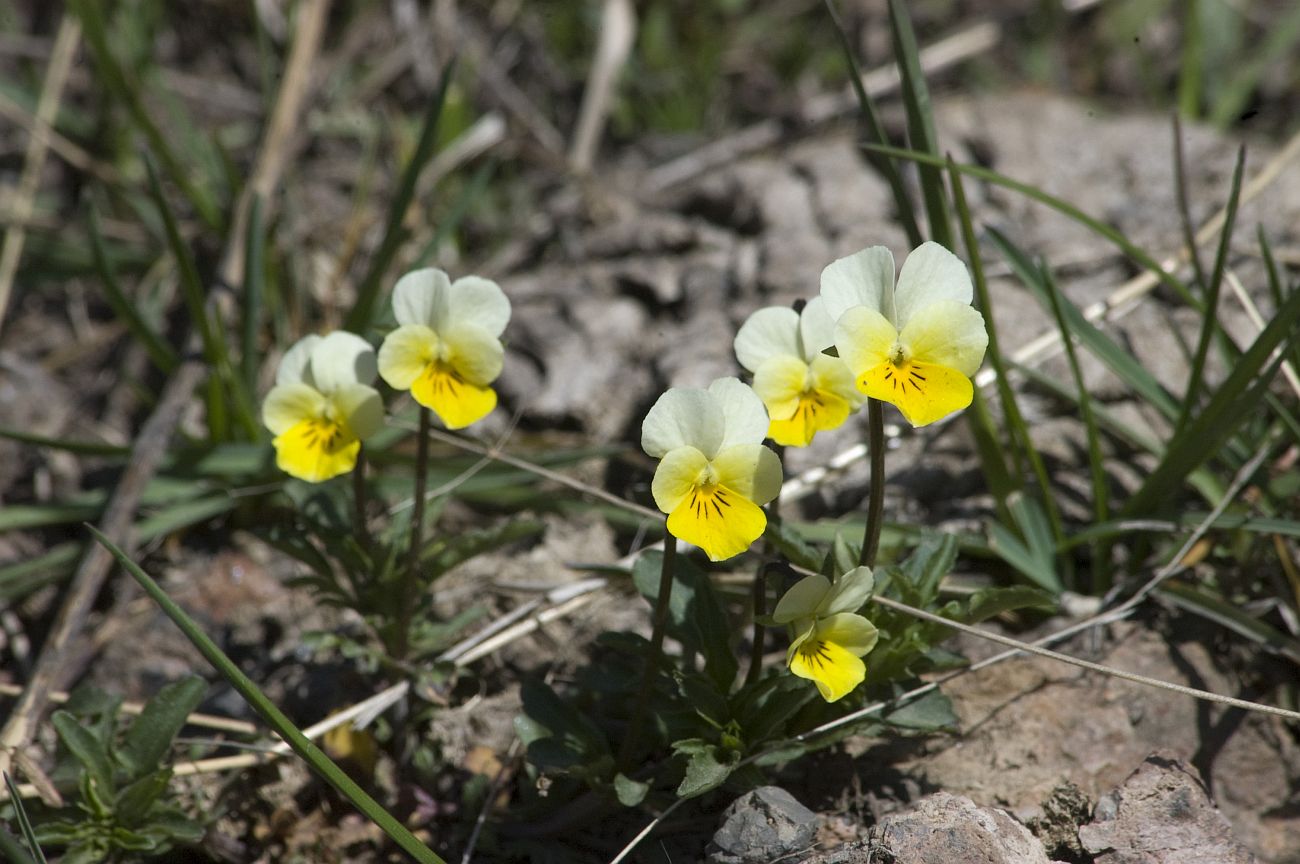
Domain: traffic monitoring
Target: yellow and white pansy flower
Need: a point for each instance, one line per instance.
(322, 405)
(714, 472)
(916, 346)
(446, 349)
(805, 391)
(828, 638)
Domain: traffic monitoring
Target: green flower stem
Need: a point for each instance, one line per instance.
(319, 762)
(760, 592)
(876, 499)
(359, 526)
(410, 578)
(628, 750)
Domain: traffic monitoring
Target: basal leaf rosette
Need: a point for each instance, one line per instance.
(916, 346)
(714, 473)
(828, 637)
(446, 349)
(805, 391)
(322, 405)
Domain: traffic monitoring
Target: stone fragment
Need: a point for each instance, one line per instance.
(1161, 814)
(763, 825)
(944, 828)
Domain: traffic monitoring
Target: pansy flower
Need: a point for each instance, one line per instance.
(322, 405)
(805, 391)
(828, 638)
(447, 347)
(714, 472)
(916, 346)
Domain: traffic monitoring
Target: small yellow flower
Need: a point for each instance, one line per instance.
(805, 391)
(916, 347)
(828, 638)
(322, 406)
(447, 347)
(714, 472)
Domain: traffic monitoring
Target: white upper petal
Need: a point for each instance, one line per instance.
(421, 297)
(340, 359)
(848, 593)
(816, 329)
(744, 417)
(802, 600)
(683, 417)
(769, 332)
(864, 278)
(478, 301)
(295, 366)
(930, 273)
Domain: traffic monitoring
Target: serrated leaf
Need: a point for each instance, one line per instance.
(134, 801)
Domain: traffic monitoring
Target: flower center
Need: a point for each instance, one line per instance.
(899, 355)
(814, 652)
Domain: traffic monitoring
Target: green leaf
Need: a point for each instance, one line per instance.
(695, 616)
(150, 735)
(706, 767)
(764, 707)
(89, 750)
(988, 602)
(1033, 552)
(1202, 602)
(920, 122)
(276, 719)
(925, 568)
(444, 553)
(160, 353)
(1219, 419)
(630, 792)
(929, 713)
(134, 801)
(792, 546)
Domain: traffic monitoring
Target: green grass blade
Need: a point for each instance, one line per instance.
(1123, 364)
(920, 120)
(254, 290)
(160, 353)
(114, 77)
(81, 448)
(1210, 317)
(1227, 409)
(876, 134)
(1283, 35)
(228, 390)
(1101, 576)
(363, 310)
(1060, 205)
(309, 752)
(1184, 208)
(1190, 69)
(1010, 408)
(447, 225)
(20, 578)
(1201, 602)
(24, 824)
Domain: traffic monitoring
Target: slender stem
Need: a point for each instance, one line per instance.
(410, 578)
(876, 499)
(760, 596)
(637, 720)
(359, 526)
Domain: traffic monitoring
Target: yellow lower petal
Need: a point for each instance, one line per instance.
(817, 411)
(456, 402)
(832, 668)
(719, 520)
(924, 392)
(316, 450)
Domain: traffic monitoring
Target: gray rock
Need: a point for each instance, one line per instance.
(1160, 815)
(761, 826)
(944, 829)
